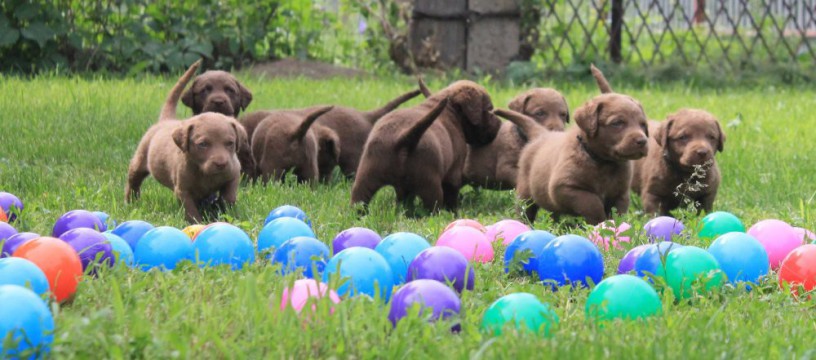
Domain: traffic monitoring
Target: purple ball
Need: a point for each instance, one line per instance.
(627, 264)
(13, 242)
(89, 244)
(442, 264)
(353, 237)
(432, 294)
(7, 201)
(663, 228)
(6, 232)
(76, 219)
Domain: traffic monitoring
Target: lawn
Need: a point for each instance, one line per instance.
(67, 141)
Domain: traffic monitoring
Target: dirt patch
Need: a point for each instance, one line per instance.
(306, 68)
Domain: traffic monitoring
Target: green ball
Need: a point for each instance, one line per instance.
(623, 297)
(524, 309)
(719, 223)
(691, 265)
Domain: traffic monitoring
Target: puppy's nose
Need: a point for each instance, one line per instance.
(702, 153)
(220, 164)
(219, 101)
(642, 141)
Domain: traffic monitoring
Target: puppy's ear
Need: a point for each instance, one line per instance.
(188, 98)
(662, 136)
(721, 140)
(588, 116)
(566, 106)
(519, 103)
(328, 141)
(246, 96)
(181, 136)
(242, 141)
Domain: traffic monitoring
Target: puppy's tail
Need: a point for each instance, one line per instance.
(409, 139)
(168, 111)
(424, 88)
(308, 121)
(600, 79)
(374, 115)
(530, 127)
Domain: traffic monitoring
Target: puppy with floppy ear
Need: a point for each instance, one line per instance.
(421, 151)
(197, 157)
(683, 144)
(217, 91)
(586, 170)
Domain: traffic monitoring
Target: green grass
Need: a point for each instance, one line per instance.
(66, 144)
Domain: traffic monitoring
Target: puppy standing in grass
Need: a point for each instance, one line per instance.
(586, 170)
(194, 157)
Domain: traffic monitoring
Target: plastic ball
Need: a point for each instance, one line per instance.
(608, 232)
(719, 223)
(741, 257)
(622, 297)
(3, 217)
(164, 248)
(305, 253)
(11, 205)
(58, 261)
(798, 269)
(362, 271)
(506, 231)
(356, 236)
(627, 263)
(305, 290)
(278, 231)
(132, 231)
(663, 228)
(523, 310)
(466, 222)
(399, 250)
(26, 317)
(107, 222)
(805, 234)
(525, 248)
(444, 265)
(193, 230)
(570, 260)
(430, 295)
(777, 237)
(120, 248)
(689, 266)
(19, 271)
(89, 244)
(471, 243)
(76, 219)
(6, 232)
(287, 211)
(224, 244)
(652, 260)
(14, 241)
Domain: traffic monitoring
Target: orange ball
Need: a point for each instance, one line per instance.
(58, 260)
(193, 230)
(3, 216)
(799, 269)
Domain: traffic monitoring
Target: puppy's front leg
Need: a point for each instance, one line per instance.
(622, 204)
(708, 201)
(190, 207)
(230, 192)
(581, 202)
(653, 204)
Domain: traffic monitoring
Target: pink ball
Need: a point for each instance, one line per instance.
(304, 289)
(506, 230)
(805, 234)
(471, 243)
(465, 222)
(777, 237)
(615, 239)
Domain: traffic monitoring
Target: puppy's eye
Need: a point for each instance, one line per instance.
(617, 124)
(683, 137)
(711, 137)
(229, 144)
(540, 113)
(208, 88)
(203, 145)
(229, 90)
(564, 115)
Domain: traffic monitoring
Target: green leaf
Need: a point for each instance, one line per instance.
(203, 49)
(26, 11)
(38, 32)
(8, 35)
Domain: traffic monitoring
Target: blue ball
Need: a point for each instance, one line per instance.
(278, 231)
(103, 217)
(570, 260)
(653, 258)
(303, 253)
(163, 247)
(132, 231)
(530, 243)
(741, 256)
(221, 244)
(361, 271)
(287, 211)
(120, 247)
(27, 317)
(19, 271)
(399, 250)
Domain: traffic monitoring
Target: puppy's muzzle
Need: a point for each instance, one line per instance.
(220, 105)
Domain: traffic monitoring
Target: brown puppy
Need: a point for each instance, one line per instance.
(217, 91)
(421, 151)
(586, 170)
(286, 142)
(195, 157)
(351, 127)
(687, 139)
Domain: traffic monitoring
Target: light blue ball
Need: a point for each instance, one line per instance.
(741, 256)
(19, 271)
(361, 271)
(107, 222)
(399, 250)
(27, 317)
(224, 244)
(278, 231)
(653, 258)
(287, 211)
(303, 253)
(132, 231)
(163, 247)
(530, 243)
(120, 247)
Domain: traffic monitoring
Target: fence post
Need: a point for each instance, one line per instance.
(615, 38)
(699, 11)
